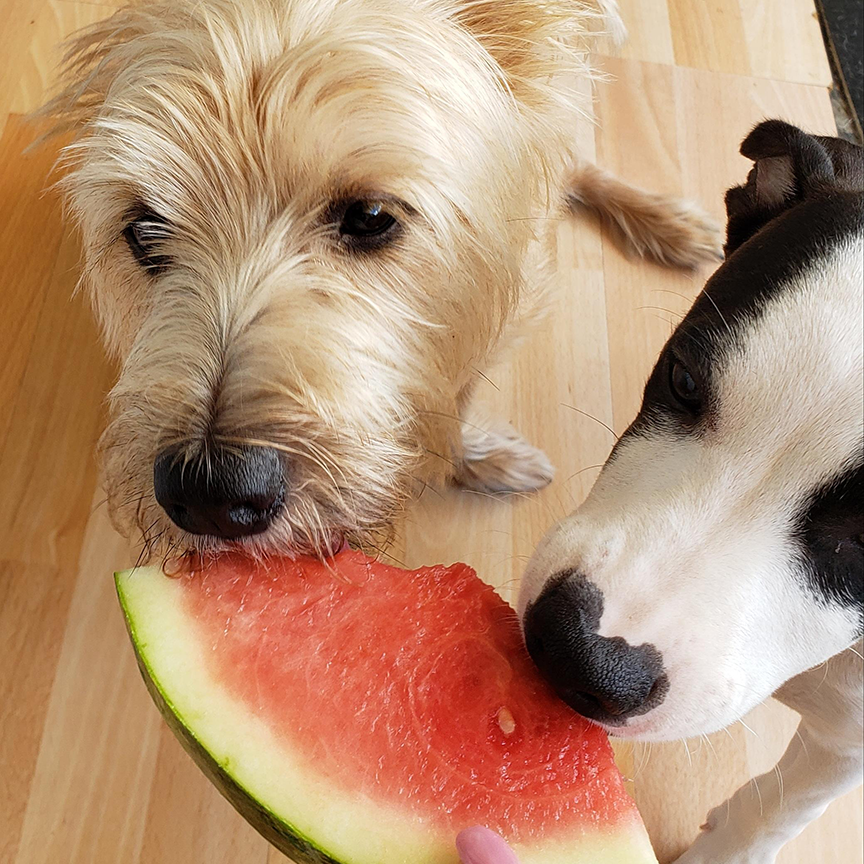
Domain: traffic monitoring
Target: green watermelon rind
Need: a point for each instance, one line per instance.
(276, 831)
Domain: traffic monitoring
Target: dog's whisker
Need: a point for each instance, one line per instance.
(427, 487)
(754, 782)
(597, 420)
(707, 294)
(825, 670)
(675, 315)
(684, 297)
(710, 744)
(389, 555)
(583, 470)
(454, 417)
(498, 563)
(99, 505)
(780, 783)
(687, 751)
(442, 458)
(535, 219)
(751, 731)
(486, 378)
(499, 496)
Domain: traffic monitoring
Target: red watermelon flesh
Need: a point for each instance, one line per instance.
(411, 690)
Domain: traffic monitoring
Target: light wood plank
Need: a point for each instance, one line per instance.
(30, 232)
(649, 31)
(47, 463)
(784, 41)
(37, 67)
(96, 764)
(709, 35)
(32, 599)
(18, 18)
(777, 39)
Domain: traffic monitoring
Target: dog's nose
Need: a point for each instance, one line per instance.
(229, 493)
(603, 678)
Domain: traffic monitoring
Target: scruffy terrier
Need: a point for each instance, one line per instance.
(308, 227)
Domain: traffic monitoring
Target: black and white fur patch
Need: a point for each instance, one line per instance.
(726, 527)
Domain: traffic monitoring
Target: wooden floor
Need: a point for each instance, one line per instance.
(88, 774)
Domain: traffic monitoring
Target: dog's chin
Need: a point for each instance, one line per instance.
(179, 551)
(660, 726)
(197, 556)
(639, 729)
(315, 529)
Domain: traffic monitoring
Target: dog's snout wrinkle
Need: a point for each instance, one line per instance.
(233, 492)
(603, 678)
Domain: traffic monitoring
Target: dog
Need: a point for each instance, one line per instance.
(308, 227)
(719, 558)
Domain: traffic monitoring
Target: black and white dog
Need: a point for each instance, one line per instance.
(720, 556)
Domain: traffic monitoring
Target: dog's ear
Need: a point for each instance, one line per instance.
(93, 58)
(790, 166)
(534, 41)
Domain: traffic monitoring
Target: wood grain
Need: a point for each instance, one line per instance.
(88, 774)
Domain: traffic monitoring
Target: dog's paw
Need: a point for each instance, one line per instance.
(695, 855)
(495, 458)
(722, 841)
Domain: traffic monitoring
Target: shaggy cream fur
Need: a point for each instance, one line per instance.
(239, 127)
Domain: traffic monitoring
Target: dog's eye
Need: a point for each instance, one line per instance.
(684, 387)
(367, 222)
(144, 236)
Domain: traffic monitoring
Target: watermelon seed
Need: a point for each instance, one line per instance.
(506, 721)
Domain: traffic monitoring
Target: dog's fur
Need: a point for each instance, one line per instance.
(245, 126)
(726, 531)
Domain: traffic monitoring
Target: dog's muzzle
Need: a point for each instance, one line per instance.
(603, 678)
(229, 492)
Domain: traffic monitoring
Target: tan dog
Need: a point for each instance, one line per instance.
(308, 227)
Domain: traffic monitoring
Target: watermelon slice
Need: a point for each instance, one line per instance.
(356, 713)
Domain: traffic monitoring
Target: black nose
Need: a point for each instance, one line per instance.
(228, 492)
(603, 678)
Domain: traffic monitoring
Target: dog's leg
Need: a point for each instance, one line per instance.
(667, 229)
(823, 761)
(496, 458)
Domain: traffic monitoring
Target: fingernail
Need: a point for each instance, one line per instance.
(479, 845)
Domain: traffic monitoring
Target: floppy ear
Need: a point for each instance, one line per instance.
(791, 166)
(93, 58)
(533, 41)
